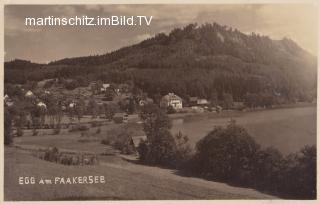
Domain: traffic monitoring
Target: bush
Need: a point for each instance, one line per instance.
(78, 128)
(98, 131)
(170, 110)
(19, 132)
(160, 150)
(267, 165)
(82, 128)
(56, 131)
(87, 140)
(226, 153)
(48, 84)
(7, 127)
(231, 155)
(52, 154)
(84, 134)
(298, 175)
(120, 139)
(143, 150)
(124, 143)
(106, 141)
(35, 132)
(184, 151)
(118, 120)
(71, 85)
(95, 124)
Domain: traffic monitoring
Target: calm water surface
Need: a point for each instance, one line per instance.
(286, 129)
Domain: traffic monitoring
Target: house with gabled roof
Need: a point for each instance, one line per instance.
(171, 99)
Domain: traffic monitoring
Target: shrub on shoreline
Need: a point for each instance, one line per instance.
(161, 148)
(231, 155)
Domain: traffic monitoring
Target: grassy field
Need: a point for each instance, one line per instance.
(66, 140)
(124, 181)
(287, 129)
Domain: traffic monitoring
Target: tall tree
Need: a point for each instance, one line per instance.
(80, 108)
(7, 127)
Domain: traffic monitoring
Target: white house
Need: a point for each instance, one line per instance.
(104, 87)
(29, 94)
(171, 100)
(72, 105)
(8, 101)
(42, 105)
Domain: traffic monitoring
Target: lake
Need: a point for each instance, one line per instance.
(287, 129)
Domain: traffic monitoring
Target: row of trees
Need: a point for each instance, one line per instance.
(229, 154)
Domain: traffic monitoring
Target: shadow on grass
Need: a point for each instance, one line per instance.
(138, 162)
(188, 174)
(260, 188)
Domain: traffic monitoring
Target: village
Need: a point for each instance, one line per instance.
(98, 101)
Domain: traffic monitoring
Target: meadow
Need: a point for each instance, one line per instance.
(123, 181)
(287, 129)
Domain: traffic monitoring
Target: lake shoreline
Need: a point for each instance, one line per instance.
(235, 113)
(287, 129)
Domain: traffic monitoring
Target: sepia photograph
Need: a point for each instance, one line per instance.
(160, 102)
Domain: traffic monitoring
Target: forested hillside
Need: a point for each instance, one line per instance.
(205, 61)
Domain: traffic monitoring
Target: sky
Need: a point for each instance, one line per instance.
(44, 44)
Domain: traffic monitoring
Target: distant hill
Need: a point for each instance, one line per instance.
(21, 64)
(203, 61)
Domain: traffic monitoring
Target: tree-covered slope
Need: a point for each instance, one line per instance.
(201, 60)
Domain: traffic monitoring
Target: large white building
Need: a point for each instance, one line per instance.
(171, 100)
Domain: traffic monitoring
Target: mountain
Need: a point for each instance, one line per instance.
(201, 61)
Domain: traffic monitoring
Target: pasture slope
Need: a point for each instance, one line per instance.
(124, 181)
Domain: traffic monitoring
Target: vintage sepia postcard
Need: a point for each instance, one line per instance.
(185, 101)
